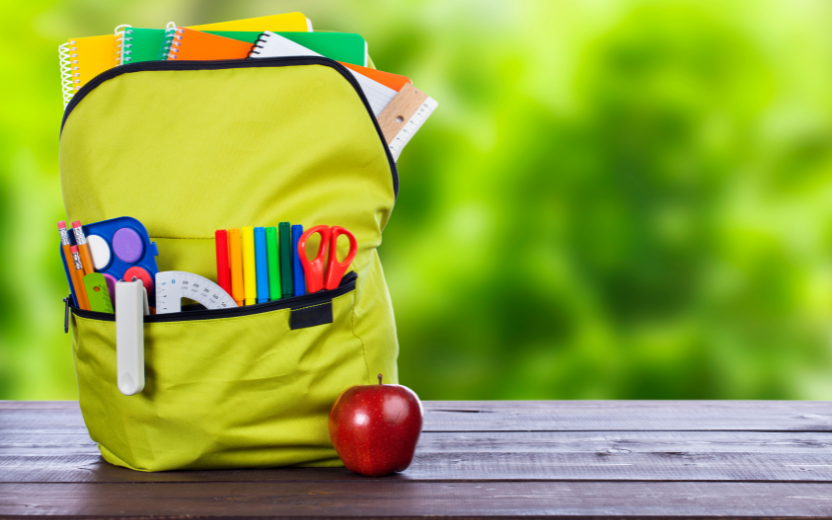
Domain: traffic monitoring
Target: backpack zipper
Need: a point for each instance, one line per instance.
(294, 302)
(244, 63)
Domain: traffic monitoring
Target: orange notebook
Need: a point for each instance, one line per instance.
(189, 44)
(388, 79)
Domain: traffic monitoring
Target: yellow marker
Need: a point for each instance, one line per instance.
(249, 265)
(235, 261)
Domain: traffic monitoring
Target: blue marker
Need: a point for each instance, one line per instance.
(262, 264)
(300, 280)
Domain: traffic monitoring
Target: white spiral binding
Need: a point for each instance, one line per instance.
(124, 40)
(175, 44)
(67, 88)
(170, 33)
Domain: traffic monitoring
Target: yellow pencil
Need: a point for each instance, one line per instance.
(249, 265)
(235, 261)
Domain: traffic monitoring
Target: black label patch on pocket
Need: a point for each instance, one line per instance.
(311, 316)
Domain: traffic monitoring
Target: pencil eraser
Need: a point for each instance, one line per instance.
(76, 224)
(61, 224)
(73, 249)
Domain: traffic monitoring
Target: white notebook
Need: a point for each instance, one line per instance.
(272, 45)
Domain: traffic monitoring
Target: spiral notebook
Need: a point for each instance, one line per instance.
(189, 44)
(82, 59)
(338, 46)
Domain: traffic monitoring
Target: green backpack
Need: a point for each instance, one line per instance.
(191, 147)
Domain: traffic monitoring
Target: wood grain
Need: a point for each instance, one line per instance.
(395, 115)
(666, 459)
(400, 500)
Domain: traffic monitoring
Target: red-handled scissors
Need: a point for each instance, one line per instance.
(316, 278)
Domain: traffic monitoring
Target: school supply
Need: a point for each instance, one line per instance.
(82, 59)
(298, 278)
(98, 293)
(273, 254)
(249, 265)
(131, 308)
(276, 22)
(122, 249)
(324, 272)
(223, 271)
(76, 282)
(262, 265)
(137, 44)
(83, 249)
(189, 44)
(287, 283)
(404, 116)
(257, 381)
(235, 254)
(338, 46)
(388, 79)
(172, 286)
(78, 269)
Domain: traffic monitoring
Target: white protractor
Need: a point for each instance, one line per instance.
(172, 286)
(413, 125)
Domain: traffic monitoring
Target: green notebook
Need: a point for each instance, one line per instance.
(142, 44)
(346, 47)
(286, 283)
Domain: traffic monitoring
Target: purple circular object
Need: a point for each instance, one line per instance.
(128, 245)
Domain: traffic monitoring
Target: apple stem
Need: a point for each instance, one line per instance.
(379, 378)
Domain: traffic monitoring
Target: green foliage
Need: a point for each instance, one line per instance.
(613, 200)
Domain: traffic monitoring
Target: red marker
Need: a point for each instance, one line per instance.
(223, 272)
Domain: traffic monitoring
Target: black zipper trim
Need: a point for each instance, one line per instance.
(295, 302)
(142, 66)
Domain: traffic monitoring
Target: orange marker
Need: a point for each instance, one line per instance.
(235, 254)
(83, 248)
(76, 278)
(78, 269)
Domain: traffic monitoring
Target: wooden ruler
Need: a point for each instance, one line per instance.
(400, 120)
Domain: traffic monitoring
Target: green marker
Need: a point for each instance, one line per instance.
(273, 254)
(286, 282)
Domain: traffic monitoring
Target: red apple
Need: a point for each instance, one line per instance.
(375, 428)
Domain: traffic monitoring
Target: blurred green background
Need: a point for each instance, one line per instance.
(614, 199)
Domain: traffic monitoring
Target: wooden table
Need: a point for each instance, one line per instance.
(506, 459)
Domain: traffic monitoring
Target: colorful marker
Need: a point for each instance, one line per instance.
(223, 272)
(297, 269)
(78, 268)
(262, 265)
(76, 280)
(249, 265)
(83, 248)
(273, 253)
(286, 282)
(235, 257)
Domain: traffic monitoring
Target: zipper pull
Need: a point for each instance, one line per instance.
(66, 314)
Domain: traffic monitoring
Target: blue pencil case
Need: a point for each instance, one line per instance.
(120, 249)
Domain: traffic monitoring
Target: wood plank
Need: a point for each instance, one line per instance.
(400, 499)
(535, 416)
(627, 415)
(49, 442)
(467, 466)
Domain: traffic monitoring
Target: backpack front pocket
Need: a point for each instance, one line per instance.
(245, 387)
